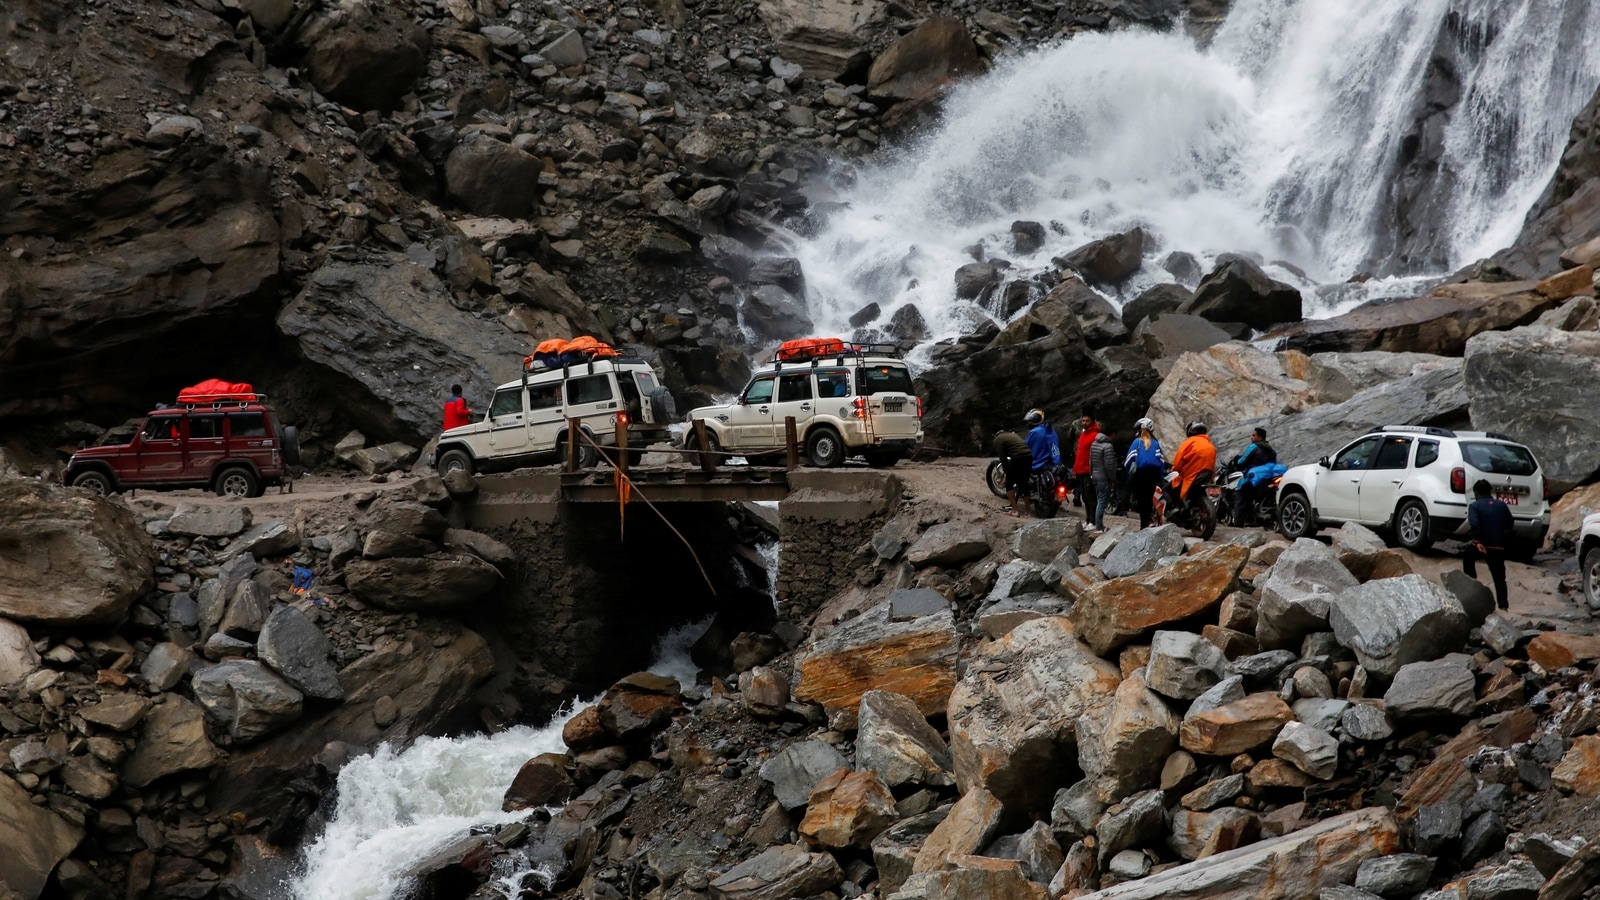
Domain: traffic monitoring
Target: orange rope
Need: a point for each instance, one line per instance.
(625, 490)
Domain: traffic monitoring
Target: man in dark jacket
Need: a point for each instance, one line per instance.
(1017, 460)
(1103, 472)
(1490, 521)
(1259, 453)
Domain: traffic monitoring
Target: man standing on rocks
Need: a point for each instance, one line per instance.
(456, 412)
(1017, 460)
(1490, 522)
(1103, 472)
(1088, 430)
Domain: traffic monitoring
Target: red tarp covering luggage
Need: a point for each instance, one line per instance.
(214, 389)
(809, 348)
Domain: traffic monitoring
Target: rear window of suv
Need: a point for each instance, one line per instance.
(886, 380)
(1498, 459)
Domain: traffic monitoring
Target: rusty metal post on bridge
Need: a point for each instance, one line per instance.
(572, 445)
(707, 461)
(791, 442)
(622, 443)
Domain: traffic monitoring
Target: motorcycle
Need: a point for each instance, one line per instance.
(1047, 490)
(1263, 509)
(1199, 514)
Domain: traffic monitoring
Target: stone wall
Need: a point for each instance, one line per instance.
(827, 516)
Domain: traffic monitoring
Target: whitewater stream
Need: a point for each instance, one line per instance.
(1284, 137)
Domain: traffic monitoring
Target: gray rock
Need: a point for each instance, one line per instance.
(165, 666)
(1222, 693)
(1500, 635)
(1020, 576)
(1297, 592)
(1520, 383)
(343, 546)
(1129, 864)
(1065, 562)
(18, 658)
(183, 611)
(1041, 542)
(908, 604)
(1142, 549)
(1517, 879)
(363, 56)
(1475, 597)
(1183, 665)
(172, 740)
(1136, 821)
(1423, 690)
(1076, 810)
(774, 312)
(796, 769)
(949, 544)
(1109, 260)
(998, 619)
(430, 583)
(787, 871)
(1548, 854)
(1311, 750)
(1108, 540)
(481, 545)
(387, 545)
(1400, 875)
(219, 646)
(118, 712)
(1168, 335)
(894, 852)
(1193, 831)
(1435, 826)
(1322, 714)
(896, 741)
(1038, 852)
(247, 612)
(36, 839)
(268, 539)
(487, 177)
(566, 51)
(1484, 836)
(210, 520)
(71, 558)
(1238, 291)
(1213, 794)
(1262, 669)
(246, 699)
(1366, 722)
(409, 518)
(1394, 621)
(294, 647)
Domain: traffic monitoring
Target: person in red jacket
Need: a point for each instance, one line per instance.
(1089, 429)
(456, 413)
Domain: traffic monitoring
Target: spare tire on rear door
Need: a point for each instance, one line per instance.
(291, 445)
(662, 406)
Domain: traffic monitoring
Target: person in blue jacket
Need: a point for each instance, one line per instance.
(1043, 442)
(1259, 453)
(1145, 464)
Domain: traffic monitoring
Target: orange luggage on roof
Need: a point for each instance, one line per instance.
(214, 389)
(809, 348)
(553, 345)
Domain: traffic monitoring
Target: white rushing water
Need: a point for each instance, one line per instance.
(1283, 137)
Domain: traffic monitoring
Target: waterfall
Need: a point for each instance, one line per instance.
(1295, 134)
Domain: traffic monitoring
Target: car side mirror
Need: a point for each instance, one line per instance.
(1323, 462)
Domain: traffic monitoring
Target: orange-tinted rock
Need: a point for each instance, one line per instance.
(642, 702)
(1579, 770)
(542, 781)
(1233, 644)
(848, 809)
(1132, 659)
(973, 877)
(971, 825)
(1571, 283)
(1276, 773)
(1235, 727)
(1118, 611)
(1238, 612)
(1447, 779)
(1554, 650)
(764, 691)
(584, 731)
(916, 659)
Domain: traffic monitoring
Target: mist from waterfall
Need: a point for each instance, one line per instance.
(1287, 136)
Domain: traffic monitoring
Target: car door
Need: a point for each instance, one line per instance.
(593, 398)
(160, 457)
(249, 438)
(750, 420)
(795, 398)
(206, 446)
(508, 424)
(1339, 488)
(545, 416)
(1380, 487)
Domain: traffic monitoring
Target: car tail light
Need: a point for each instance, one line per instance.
(1276, 481)
(1061, 492)
(622, 418)
(860, 403)
(919, 407)
(1458, 480)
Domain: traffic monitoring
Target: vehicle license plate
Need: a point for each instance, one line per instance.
(893, 405)
(1507, 499)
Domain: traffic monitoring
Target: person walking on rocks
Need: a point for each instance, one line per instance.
(1103, 471)
(1017, 460)
(1083, 480)
(1490, 523)
(456, 413)
(1145, 464)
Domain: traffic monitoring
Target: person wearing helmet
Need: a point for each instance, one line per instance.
(1144, 465)
(1042, 441)
(1017, 460)
(1195, 456)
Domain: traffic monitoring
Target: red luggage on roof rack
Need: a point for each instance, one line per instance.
(809, 348)
(215, 390)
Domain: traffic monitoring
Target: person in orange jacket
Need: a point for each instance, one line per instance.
(1195, 455)
(456, 412)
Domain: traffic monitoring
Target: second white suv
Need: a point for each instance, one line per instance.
(1589, 559)
(1416, 482)
(850, 400)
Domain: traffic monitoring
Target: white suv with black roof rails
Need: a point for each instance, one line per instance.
(1416, 482)
(851, 400)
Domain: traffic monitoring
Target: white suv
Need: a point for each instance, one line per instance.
(1417, 483)
(857, 399)
(526, 421)
(1589, 559)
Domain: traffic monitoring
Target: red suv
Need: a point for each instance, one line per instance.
(231, 443)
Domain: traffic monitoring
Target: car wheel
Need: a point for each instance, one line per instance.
(825, 448)
(237, 482)
(1591, 577)
(96, 481)
(882, 460)
(588, 456)
(1412, 526)
(454, 461)
(996, 478)
(291, 445)
(691, 445)
(1294, 517)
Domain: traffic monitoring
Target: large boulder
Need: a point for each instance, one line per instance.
(1224, 385)
(172, 740)
(1141, 550)
(972, 823)
(1159, 300)
(1235, 727)
(18, 658)
(1393, 621)
(1238, 291)
(364, 57)
(71, 558)
(916, 659)
(1118, 611)
(1336, 377)
(1434, 395)
(826, 38)
(796, 769)
(492, 179)
(926, 59)
(1529, 383)
(1164, 336)
(1439, 323)
(894, 739)
(35, 840)
(1109, 260)
(429, 583)
(787, 871)
(1434, 689)
(1139, 734)
(774, 312)
(210, 520)
(391, 326)
(246, 699)
(1014, 714)
(847, 809)
(294, 647)
(1295, 597)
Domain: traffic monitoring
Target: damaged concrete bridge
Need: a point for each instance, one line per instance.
(598, 582)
